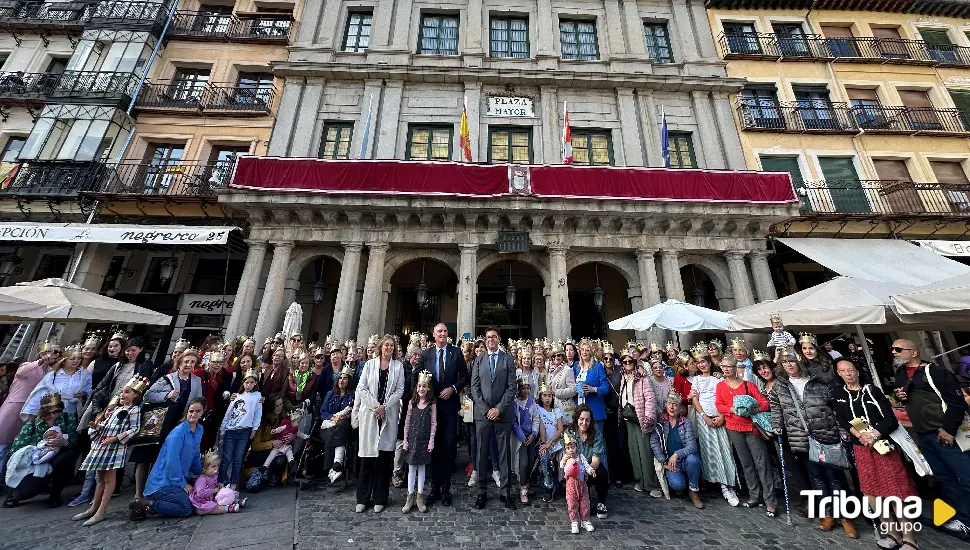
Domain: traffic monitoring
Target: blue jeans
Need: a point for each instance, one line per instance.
(951, 468)
(688, 474)
(233, 448)
(90, 482)
(172, 502)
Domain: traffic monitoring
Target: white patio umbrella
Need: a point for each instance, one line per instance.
(949, 295)
(673, 315)
(17, 310)
(841, 301)
(65, 302)
(293, 320)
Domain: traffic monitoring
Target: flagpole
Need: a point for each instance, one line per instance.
(366, 136)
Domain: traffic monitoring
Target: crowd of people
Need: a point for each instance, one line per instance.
(556, 420)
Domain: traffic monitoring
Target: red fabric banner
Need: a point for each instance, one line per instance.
(391, 177)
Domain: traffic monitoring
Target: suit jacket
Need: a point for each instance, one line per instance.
(498, 392)
(454, 374)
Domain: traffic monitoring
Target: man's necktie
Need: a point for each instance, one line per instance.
(441, 364)
(491, 357)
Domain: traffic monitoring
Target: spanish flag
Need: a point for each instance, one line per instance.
(567, 137)
(464, 140)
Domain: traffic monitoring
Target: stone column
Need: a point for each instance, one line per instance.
(307, 33)
(551, 138)
(473, 33)
(545, 28)
(649, 289)
(306, 123)
(279, 145)
(686, 40)
(707, 143)
(383, 21)
(467, 285)
(630, 125)
(670, 266)
(93, 261)
(343, 308)
(390, 112)
(702, 29)
(634, 28)
(730, 140)
(402, 18)
(763, 283)
(372, 92)
(270, 309)
(242, 307)
(370, 309)
(473, 93)
(559, 294)
(740, 281)
(614, 28)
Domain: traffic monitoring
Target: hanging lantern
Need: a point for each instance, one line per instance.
(166, 269)
(598, 291)
(422, 289)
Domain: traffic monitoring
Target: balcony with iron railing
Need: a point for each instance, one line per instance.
(47, 16)
(67, 179)
(883, 197)
(863, 49)
(911, 120)
(210, 97)
(798, 118)
(192, 25)
(124, 15)
(96, 86)
(27, 88)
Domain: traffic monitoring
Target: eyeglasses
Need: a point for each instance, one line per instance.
(896, 349)
(629, 362)
(54, 412)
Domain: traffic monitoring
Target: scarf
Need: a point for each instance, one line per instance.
(301, 379)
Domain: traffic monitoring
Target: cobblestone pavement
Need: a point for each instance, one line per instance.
(317, 516)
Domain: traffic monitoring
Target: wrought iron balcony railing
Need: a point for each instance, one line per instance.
(798, 117)
(67, 179)
(910, 120)
(749, 45)
(20, 87)
(884, 197)
(234, 28)
(50, 16)
(210, 97)
(95, 85)
(122, 14)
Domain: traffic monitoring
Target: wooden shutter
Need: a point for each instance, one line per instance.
(783, 164)
(836, 32)
(915, 98)
(935, 38)
(861, 93)
(886, 33)
(949, 172)
(901, 198)
(961, 100)
(892, 170)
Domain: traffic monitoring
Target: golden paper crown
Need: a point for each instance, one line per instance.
(568, 437)
(424, 377)
(71, 351)
(525, 352)
(119, 335)
(319, 352)
(92, 340)
(546, 343)
(738, 343)
(544, 388)
(252, 373)
(807, 338)
(51, 400)
(716, 343)
(654, 347)
(211, 457)
(670, 346)
(569, 341)
(683, 357)
(182, 344)
(372, 340)
(247, 339)
(674, 397)
(350, 345)
(296, 333)
(642, 346)
(268, 340)
(631, 344)
(557, 349)
(758, 355)
(512, 342)
(217, 357)
(50, 345)
(138, 384)
(479, 339)
(774, 318)
(191, 351)
(788, 353)
(608, 348)
(699, 350)
(346, 370)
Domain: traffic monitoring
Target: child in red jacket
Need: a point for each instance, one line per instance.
(288, 429)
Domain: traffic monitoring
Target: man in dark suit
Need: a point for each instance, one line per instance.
(493, 390)
(449, 375)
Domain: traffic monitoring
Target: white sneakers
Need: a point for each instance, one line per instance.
(729, 495)
(498, 478)
(588, 525)
(473, 479)
(574, 527)
(656, 493)
(956, 526)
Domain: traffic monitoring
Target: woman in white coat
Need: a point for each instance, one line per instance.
(376, 414)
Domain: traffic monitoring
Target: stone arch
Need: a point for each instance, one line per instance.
(396, 259)
(715, 268)
(305, 255)
(626, 266)
(491, 258)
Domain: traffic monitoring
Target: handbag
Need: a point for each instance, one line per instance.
(628, 411)
(153, 417)
(909, 448)
(830, 454)
(962, 436)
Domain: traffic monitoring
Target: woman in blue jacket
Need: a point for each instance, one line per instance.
(591, 384)
(179, 462)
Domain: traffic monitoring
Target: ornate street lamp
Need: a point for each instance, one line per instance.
(598, 290)
(166, 268)
(319, 286)
(422, 289)
(510, 291)
(8, 264)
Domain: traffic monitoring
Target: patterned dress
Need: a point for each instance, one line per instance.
(420, 429)
(123, 424)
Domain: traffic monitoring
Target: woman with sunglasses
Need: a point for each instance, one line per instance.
(638, 413)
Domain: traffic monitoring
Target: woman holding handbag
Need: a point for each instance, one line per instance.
(800, 407)
(638, 415)
(880, 466)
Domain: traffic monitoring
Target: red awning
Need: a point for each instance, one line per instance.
(394, 177)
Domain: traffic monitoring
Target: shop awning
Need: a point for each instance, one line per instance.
(947, 248)
(114, 233)
(883, 260)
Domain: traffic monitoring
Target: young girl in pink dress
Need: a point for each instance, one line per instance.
(208, 496)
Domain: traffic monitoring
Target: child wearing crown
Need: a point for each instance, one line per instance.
(780, 338)
(289, 426)
(109, 434)
(208, 496)
(575, 468)
(238, 426)
(420, 426)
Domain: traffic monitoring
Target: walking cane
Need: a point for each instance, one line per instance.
(784, 480)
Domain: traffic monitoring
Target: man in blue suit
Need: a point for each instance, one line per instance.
(493, 390)
(449, 375)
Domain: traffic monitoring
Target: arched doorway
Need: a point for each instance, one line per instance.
(436, 284)
(699, 289)
(588, 284)
(316, 291)
(510, 297)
